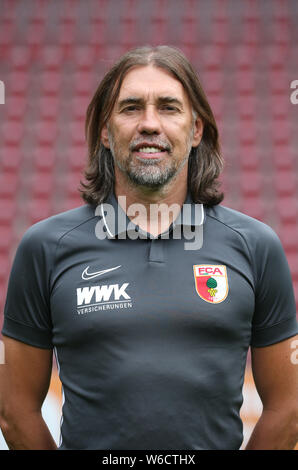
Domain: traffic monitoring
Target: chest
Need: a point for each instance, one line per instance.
(121, 291)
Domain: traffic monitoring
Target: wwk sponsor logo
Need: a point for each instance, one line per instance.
(87, 295)
(102, 297)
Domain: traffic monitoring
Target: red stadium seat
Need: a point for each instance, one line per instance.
(281, 32)
(37, 210)
(128, 29)
(251, 32)
(249, 159)
(158, 30)
(283, 158)
(5, 266)
(7, 31)
(71, 202)
(285, 183)
(18, 83)
(10, 158)
(247, 134)
(246, 107)
(12, 132)
(217, 103)
(281, 132)
(42, 185)
(7, 212)
(244, 56)
(16, 107)
(66, 34)
(51, 57)
(39, 13)
(72, 185)
(69, 12)
(220, 31)
(83, 84)
(20, 57)
(78, 107)
(44, 159)
(250, 11)
(281, 10)
(5, 239)
(254, 207)
(251, 184)
(279, 106)
(97, 33)
(76, 133)
(288, 235)
(189, 32)
(99, 11)
(214, 82)
(287, 208)
(35, 33)
(76, 157)
(245, 82)
(49, 107)
(84, 57)
(279, 82)
(51, 82)
(210, 56)
(46, 132)
(8, 184)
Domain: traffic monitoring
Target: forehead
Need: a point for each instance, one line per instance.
(147, 81)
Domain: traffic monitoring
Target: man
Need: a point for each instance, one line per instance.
(150, 311)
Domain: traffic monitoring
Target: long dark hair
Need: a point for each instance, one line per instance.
(205, 162)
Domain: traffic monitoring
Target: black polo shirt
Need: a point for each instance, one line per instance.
(150, 334)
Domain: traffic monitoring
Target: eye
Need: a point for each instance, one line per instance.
(131, 108)
(169, 108)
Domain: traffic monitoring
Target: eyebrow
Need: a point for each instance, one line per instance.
(160, 100)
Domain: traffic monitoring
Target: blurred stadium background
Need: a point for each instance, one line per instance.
(54, 53)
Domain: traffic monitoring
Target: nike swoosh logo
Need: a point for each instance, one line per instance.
(86, 276)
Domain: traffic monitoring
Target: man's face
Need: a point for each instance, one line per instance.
(151, 129)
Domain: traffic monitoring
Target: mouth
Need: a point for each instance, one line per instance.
(150, 151)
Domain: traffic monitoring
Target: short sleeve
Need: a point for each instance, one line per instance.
(275, 311)
(27, 315)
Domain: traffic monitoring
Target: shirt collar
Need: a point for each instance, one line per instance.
(117, 222)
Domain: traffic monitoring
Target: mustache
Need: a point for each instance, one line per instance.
(147, 141)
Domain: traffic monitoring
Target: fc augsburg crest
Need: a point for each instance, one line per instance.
(211, 282)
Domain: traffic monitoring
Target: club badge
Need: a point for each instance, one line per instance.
(211, 282)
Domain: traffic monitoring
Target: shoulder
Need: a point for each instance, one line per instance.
(51, 230)
(249, 228)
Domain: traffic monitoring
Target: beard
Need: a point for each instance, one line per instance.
(150, 173)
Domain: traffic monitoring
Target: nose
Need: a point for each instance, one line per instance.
(149, 121)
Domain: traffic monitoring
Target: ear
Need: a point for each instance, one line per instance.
(198, 132)
(104, 136)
